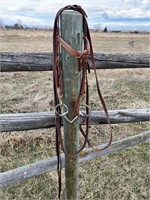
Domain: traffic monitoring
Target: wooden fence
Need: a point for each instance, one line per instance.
(11, 62)
(43, 61)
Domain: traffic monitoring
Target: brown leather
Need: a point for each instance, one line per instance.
(84, 67)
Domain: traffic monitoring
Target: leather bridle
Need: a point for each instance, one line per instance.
(83, 67)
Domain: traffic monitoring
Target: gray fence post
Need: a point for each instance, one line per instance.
(71, 30)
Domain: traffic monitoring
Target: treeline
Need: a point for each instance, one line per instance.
(15, 26)
(18, 26)
(24, 27)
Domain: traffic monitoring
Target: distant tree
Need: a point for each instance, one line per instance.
(18, 25)
(105, 29)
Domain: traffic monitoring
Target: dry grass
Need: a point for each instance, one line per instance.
(35, 41)
(122, 175)
(21, 41)
(119, 42)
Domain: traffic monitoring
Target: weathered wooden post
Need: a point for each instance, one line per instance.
(71, 32)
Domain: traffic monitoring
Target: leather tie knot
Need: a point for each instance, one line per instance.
(83, 55)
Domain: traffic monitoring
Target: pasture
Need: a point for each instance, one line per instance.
(121, 175)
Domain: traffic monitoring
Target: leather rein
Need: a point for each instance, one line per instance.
(84, 68)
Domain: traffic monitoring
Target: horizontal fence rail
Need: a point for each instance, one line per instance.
(28, 121)
(11, 62)
(43, 166)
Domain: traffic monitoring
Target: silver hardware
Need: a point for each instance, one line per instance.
(71, 121)
(66, 112)
(82, 114)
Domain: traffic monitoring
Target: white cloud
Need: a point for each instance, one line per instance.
(42, 12)
(142, 4)
(132, 13)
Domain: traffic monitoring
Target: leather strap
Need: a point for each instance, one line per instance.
(84, 67)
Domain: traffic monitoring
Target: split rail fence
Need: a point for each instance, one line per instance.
(11, 62)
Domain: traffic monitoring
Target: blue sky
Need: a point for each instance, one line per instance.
(115, 14)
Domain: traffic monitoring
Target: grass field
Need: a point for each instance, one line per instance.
(120, 176)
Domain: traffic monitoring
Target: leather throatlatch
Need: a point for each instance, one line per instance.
(84, 68)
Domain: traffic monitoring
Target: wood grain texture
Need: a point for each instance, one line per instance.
(29, 121)
(11, 62)
(71, 32)
(48, 165)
